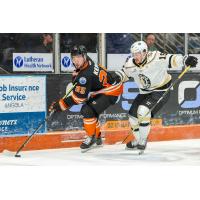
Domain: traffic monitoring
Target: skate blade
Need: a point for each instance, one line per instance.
(135, 150)
(131, 149)
(92, 147)
(141, 152)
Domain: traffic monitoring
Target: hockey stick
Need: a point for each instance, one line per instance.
(36, 130)
(40, 125)
(161, 98)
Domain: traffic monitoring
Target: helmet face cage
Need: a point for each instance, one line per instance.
(78, 50)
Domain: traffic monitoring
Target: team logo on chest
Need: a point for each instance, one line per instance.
(145, 81)
(82, 80)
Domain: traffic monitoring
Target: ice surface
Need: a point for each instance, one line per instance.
(181, 152)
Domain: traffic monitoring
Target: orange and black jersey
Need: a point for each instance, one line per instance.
(92, 80)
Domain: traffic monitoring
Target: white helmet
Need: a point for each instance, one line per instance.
(139, 46)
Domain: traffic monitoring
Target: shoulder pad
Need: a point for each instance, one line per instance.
(129, 63)
(128, 58)
(152, 55)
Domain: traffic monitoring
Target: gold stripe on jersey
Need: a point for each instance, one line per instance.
(174, 64)
(142, 119)
(144, 62)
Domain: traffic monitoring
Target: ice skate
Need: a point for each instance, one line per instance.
(132, 145)
(99, 141)
(142, 146)
(88, 143)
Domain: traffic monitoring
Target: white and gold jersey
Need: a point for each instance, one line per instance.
(151, 75)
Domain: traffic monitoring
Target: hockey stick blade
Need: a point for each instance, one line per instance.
(141, 152)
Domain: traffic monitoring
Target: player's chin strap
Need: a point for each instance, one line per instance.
(41, 124)
(161, 98)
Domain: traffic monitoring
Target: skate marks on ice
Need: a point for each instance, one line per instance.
(182, 152)
(159, 153)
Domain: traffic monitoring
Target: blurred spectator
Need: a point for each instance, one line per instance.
(7, 59)
(7, 47)
(67, 40)
(119, 42)
(37, 43)
(150, 40)
(194, 43)
(22, 43)
(48, 42)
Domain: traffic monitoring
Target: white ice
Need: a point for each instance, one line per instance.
(181, 152)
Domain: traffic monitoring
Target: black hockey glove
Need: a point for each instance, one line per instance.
(115, 77)
(55, 106)
(192, 61)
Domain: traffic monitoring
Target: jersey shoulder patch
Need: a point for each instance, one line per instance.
(82, 80)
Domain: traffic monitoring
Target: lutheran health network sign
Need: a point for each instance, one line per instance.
(22, 104)
(30, 62)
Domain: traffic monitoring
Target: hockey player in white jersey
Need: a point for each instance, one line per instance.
(149, 70)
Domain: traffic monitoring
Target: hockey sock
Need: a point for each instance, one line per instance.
(90, 125)
(134, 126)
(144, 130)
(97, 129)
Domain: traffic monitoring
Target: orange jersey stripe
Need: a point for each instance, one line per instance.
(77, 99)
(111, 90)
(63, 105)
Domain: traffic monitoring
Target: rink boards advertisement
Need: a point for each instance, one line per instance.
(22, 104)
(182, 108)
(33, 62)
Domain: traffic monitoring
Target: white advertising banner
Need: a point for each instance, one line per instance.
(22, 104)
(116, 61)
(33, 62)
(22, 94)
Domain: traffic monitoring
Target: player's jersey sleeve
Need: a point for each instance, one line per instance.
(176, 60)
(171, 60)
(127, 70)
(80, 91)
